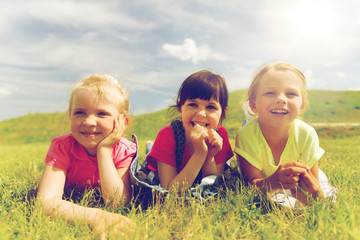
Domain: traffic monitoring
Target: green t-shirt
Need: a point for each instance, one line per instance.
(302, 146)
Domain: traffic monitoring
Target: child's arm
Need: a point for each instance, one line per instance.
(215, 143)
(286, 176)
(309, 182)
(168, 175)
(115, 183)
(50, 195)
(169, 178)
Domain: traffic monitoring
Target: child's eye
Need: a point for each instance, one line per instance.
(192, 105)
(269, 93)
(103, 114)
(292, 94)
(212, 107)
(78, 113)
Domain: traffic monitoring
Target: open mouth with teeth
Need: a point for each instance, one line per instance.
(201, 124)
(279, 111)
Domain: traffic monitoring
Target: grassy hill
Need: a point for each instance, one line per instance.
(325, 106)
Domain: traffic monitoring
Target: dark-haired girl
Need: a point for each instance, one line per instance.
(201, 103)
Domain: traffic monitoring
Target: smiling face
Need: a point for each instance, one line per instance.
(278, 100)
(203, 85)
(206, 113)
(92, 119)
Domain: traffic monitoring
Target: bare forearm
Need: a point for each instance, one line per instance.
(112, 186)
(265, 184)
(97, 219)
(71, 212)
(187, 176)
(209, 167)
(306, 198)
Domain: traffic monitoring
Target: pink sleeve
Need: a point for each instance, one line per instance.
(59, 153)
(163, 149)
(123, 153)
(226, 152)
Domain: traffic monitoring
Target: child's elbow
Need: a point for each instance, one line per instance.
(117, 200)
(48, 204)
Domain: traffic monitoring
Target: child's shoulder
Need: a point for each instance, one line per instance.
(302, 128)
(250, 126)
(62, 146)
(66, 140)
(124, 142)
(168, 128)
(166, 132)
(222, 130)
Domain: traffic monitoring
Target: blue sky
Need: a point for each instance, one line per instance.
(151, 46)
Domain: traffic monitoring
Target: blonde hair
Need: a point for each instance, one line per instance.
(106, 87)
(275, 66)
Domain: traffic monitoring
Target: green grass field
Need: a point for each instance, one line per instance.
(24, 142)
(232, 217)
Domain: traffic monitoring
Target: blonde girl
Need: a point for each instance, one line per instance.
(94, 154)
(277, 151)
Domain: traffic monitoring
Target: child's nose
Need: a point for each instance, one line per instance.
(202, 112)
(89, 121)
(281, 98)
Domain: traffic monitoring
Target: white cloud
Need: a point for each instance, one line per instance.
(6, 91)
(189, 51)
(69, 13)
(239, 78)
(310, 81)
(341, 74)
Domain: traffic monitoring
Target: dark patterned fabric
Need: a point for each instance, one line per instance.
(179, 135)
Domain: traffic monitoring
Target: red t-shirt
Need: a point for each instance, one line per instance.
(81, 169)
(164, 149)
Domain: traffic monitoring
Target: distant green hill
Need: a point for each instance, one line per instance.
(325, 106)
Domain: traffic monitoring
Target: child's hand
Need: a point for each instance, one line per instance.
(198, 136)
(114, 225)
(309, 184)
(214, 142)
(120, 123)
(288, 174)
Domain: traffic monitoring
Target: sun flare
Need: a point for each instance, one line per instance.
(313, 18)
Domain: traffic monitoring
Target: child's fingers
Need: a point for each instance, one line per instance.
(295, 164)
(309, 182)
(215, 141)
(289, 179)
(200, 131)
(289, 185)
(284, 172)
(122, 123)
(198, 136)
(292, 171)
(119, 125)
(293, 178)
(103, 236)
(213, 135)
(118, 130)
(114, 225)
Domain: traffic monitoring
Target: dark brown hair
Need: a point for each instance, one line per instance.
(204, 85)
